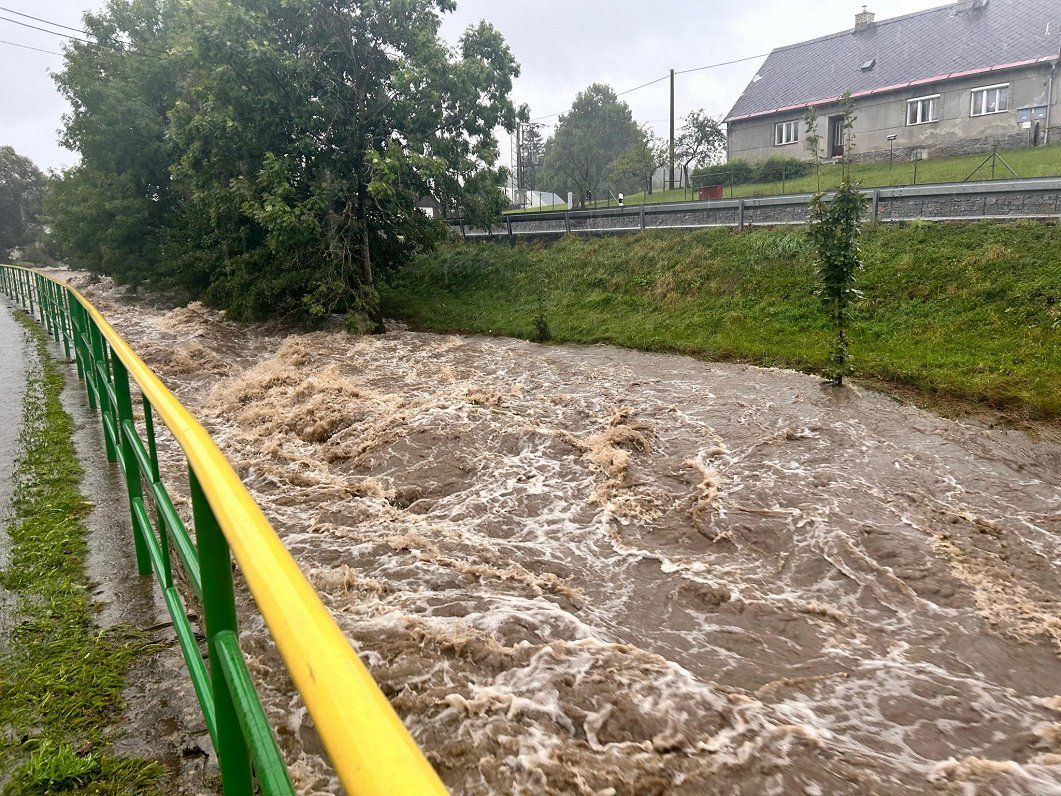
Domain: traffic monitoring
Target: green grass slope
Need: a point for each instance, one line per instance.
(965, 311)
(1042, 161)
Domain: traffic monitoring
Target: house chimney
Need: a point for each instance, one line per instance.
(864, 19)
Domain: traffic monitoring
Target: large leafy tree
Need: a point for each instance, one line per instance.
(22, 187)
(701, 140)
(632, 171)
(588, 138)
(111, 211)
(300, 135)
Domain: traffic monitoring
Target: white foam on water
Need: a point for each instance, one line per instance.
(589, 570)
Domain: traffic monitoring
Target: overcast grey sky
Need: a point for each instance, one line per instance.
(562, 46)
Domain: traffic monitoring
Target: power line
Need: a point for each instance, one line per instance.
(114, 46)
(681, 72)
(643, 85)
(722, 63)
(45, 30)
(45, 21)
(27, 47)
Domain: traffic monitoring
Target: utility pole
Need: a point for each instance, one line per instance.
(672, 129)
(519, 158)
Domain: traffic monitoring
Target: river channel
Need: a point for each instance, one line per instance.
(590, 570)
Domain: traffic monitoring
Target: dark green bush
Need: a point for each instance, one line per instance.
(735, 172)
(741, 172)
(776, 169)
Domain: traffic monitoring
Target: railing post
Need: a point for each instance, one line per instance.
(133, 483)
(642, 218)
(740, 215)
(567, 221)
(52, 308)
(99, 358)
(29, 292)
(156, 478)
(219, 611)
(876, 204)
(64, 317)
(508, 222)
(83, 349)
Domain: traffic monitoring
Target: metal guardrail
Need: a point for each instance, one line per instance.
(365, 740)
(1032, 198)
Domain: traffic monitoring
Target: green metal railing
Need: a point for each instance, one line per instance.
(364, 738)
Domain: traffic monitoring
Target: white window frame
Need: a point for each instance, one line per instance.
(786, 133)
(922, 102)
(983, 90)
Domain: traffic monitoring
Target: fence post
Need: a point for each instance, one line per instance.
(155, 477)
(64, 312)
(99, 357)
(83, 347)
(219, 612)
(29, 293)
(132, 466)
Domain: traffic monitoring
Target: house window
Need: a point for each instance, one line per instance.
(786, 133)
(990, 99)
(922, 110)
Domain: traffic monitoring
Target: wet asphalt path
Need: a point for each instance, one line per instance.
(15, 353)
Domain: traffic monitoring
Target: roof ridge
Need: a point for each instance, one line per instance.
(907, 49)
(875, 24)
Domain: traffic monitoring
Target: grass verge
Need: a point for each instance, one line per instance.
(1041, 161)
(61, 676)
(957, 312)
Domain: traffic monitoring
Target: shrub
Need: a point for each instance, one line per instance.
(776, 169)
(735, 172)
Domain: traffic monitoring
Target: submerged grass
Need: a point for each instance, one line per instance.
(956, 311)
(61, 676)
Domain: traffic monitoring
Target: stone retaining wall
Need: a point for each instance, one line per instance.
(1034, 198)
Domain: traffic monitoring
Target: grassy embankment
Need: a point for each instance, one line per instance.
(60, 675)
(1027, 162)
(970, 312)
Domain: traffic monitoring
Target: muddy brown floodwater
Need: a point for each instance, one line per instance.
(592, 570)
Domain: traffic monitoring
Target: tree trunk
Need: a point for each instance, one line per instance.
(369, 296)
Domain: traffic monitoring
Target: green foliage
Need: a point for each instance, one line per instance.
(588, 138)
(733, 172)
(22, 188)
(54, 767)
(835, 234)
(771, 246)
(632, 170)
(272, 153)
(60, 676)
(780, 168)
(532, 152)
(847, 109)
(701, 140)
(740, 172)
(955, 311)
(812, 139)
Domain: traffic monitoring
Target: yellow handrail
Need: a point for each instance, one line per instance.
(368, 745)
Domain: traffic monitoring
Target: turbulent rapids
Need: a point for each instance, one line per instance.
(598, 571)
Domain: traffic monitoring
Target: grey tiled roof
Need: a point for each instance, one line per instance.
(925, 45)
